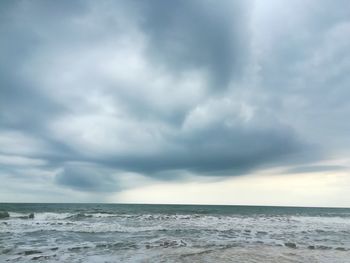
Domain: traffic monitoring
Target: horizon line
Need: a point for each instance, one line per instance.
(181, 204)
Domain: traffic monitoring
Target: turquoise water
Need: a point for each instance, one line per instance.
(172, 233)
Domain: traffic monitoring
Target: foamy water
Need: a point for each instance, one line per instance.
(135, 233)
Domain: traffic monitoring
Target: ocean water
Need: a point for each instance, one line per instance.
(172, 233)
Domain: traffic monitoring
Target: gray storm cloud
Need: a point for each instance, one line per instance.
(207, 35)
(163, 88)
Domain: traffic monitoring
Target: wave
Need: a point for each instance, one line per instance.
(290, 232)
(321, 219)
(166, 243)
(182, 217)
(7, 215)
(54, 216)
(4, 214)
(81, 216)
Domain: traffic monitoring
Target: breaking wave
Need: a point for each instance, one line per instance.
(62, 236)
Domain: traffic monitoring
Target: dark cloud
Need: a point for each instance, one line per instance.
(87, 177)
(169, 88)
(316, 168)
(218, 151)
(199, 35)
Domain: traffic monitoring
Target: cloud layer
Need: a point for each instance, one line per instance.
(91, 91)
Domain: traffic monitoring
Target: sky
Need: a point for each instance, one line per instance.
(188, 101)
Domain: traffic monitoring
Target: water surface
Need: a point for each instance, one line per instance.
(173, 233)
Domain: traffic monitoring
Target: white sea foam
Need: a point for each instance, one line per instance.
(67, 236)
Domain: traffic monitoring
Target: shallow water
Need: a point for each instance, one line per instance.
(166, 233)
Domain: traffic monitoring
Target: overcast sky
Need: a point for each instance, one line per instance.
(187, 101)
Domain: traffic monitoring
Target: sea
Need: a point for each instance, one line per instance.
(172, 233)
